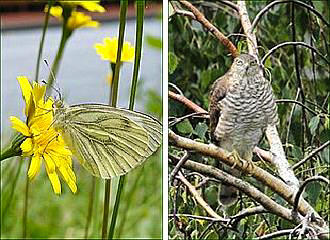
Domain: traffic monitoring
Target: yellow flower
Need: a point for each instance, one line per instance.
(108, 50)
(92, 6)
(76, 19)
(43, 142)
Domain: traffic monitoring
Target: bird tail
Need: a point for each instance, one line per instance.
(228, 194)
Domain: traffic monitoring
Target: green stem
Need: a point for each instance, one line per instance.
(25, 209)
(14, 148)
(138, 48)
(106, 207)
(137, 60)
(90, 207)
(41, 45)
(114, 97)
(116, 207)
(115, 83)
(8, 152)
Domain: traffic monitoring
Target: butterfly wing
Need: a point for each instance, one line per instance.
(108, 141)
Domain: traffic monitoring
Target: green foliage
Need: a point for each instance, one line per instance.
(197, 59)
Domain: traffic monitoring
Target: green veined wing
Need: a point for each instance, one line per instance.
(108, 141)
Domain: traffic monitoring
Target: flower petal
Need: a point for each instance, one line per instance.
(49, 162)
(27, 146)
(92, 6)
(34, 168)
(20, 126)
(55, 181)
(25, 87)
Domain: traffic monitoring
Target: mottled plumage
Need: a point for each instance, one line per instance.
(241, 107)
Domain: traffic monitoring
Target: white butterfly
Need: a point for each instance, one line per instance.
(107, 141)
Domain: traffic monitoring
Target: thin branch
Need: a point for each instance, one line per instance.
(211, 28)
(312, 154)
(187, 102)
(275, 234)
(246, 24)
(198, 217)
(180, 119)
(248, 212)
(296, 102)
(272, 50)
(178, 166)
(243, 186)
(198, 198)
(225, 157)
(302, 187)
(180, 11)
(265, 9)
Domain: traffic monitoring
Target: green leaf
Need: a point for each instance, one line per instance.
(313, 124)
(201, 129)
(172, 62)
(185, 127)
(206, 77)
(313, 191)
(296, 152)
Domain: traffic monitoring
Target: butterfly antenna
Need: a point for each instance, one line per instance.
(54, 78)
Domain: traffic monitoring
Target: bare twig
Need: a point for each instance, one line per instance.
(312, 154)
(225, 157)
(243, 186)
(302, 187)
(246, 24)
(265, 9)
(275, 234)
(178, 165)
(180, 119)
(180, 11)
(247, 212)
(296, 102)
(187, 102)
(211, 28)
(212, 219)
(198, 198)
(272, 50)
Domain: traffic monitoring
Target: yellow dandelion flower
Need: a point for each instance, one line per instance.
(79, 20)
(76, 19)
(42, 141)
(92, 6)
(108, 50)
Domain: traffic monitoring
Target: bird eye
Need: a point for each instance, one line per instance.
(253, 63)
(239, 62)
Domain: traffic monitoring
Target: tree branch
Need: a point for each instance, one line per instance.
(211, 28)
(198, 198)
(186, 102)
(312, 154)
(263, 176)
(272, 50)
(265, 9)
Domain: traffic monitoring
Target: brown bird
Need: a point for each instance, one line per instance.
(241, 105)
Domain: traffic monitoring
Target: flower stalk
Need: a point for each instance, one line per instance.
(13, 149)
